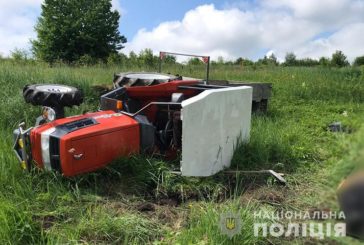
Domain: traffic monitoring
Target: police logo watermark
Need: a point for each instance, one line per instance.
(230, 224)
(300, 224)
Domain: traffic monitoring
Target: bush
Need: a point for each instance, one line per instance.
(307, 62)
(194, 61)
(359, 61)
(86, 60)
(146, 58)
(339, 59)
(323, 61)
(268, 60)
(290, 59)
(19, 55)
(117, 59)
(243, 62)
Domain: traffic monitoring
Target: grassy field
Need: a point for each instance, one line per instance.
(136, 201)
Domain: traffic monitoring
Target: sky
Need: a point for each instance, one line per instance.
(227, 28)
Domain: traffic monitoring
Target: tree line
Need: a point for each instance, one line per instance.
(146, 58)
(337, 59)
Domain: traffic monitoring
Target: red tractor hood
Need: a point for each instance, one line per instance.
(79, 144)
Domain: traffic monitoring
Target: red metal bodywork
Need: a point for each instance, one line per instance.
(114, 136)
(161, 92)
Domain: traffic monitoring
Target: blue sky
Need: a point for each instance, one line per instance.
(227, 28)
(148, 14)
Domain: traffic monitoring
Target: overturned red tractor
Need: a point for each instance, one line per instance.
(146, 112)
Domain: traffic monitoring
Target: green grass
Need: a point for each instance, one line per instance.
(104, 207)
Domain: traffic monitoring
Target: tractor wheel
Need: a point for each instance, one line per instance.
(52, 95)
(132, 79)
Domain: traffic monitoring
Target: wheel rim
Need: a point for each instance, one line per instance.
(54, 88)
(148, 76)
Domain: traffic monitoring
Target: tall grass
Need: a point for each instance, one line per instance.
(40, 207)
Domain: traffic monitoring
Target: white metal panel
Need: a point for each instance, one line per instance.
(212, 123)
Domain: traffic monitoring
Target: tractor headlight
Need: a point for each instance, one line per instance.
(48, 113)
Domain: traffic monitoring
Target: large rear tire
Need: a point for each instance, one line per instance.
(132, 79)
(52, 95)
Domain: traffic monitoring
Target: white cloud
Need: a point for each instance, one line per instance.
(347, 39)
(279, 25)
(117, 6)
(17, 24)
(203, 30)
(323, 12)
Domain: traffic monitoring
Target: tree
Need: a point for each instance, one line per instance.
(117, 59)
(339, 59)
(359, 61)
(70, 29)
(133, 59)
(324, 61)
(147, 58)
(220, 60)
(290, 59)
(268, 60)
(272, 59)
(86, 60)
(307, 62)
(19, 55)
(194, 61)
(243, 62)
(170, 59)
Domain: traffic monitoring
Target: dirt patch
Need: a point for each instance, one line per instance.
(271, 197)
(275, 195)
(146, 207)
(166, 211)
(168, 201)
(174, 217)
(48, 221)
